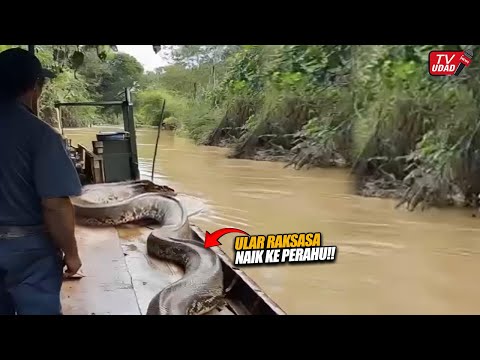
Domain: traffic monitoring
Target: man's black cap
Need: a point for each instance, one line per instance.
(19, 71)
(17, 60)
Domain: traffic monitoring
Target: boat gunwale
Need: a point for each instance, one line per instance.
(248, 281)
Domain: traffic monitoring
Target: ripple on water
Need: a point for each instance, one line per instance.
(230, 220)
(374, 244)
(231, 208)
(358, 250)
(262, 194)
(457, 252)
(194, 205)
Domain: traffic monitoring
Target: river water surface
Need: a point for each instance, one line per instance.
(388, 261)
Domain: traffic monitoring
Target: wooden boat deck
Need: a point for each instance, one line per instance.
(120, 279)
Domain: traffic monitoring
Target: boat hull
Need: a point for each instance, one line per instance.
(242, 291)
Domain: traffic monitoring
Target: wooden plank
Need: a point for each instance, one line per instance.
(149, 275)
(107, 286)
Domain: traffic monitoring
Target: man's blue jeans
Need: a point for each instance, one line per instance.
(31, 272)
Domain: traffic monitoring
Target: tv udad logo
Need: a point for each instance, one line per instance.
(282, 248)
(448, 63)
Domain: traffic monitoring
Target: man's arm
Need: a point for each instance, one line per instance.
(56, 179)
(60, 221)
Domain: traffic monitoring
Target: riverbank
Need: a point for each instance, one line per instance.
(306, 156)
(413, 189)
(371, 180)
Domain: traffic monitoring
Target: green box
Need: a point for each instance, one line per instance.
(117, 160)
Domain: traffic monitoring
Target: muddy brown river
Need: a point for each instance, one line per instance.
(388, 261)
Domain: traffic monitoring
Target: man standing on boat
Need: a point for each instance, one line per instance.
(37, 179)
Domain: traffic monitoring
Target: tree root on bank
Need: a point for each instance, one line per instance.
(381, 187)
(269, 150)
(424, 188)
(262, 147)
(427, 189)
(247, 145)
(223, 136)
(309, 154)
(380, 176)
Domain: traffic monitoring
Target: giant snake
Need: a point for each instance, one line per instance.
(200, 290)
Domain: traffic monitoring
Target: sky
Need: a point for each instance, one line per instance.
(145, 55)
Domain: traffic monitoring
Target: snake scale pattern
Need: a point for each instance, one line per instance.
(200, 290)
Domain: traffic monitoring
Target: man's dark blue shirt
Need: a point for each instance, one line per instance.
(34, 164)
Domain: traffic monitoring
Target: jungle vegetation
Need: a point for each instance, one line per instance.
(373, 109)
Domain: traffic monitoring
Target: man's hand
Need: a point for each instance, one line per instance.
(60, 222)
(73, 264)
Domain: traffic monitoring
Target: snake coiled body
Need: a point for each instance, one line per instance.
(201, 288)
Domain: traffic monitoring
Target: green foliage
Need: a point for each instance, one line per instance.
(95, 72)
(357, 102)
(191, 83)
(403, 113)
(123, 71)
(6, 47)
(197, 55)
(67, 88)
(149, 104)
(85, 73)
(200, 120)
(171, 123)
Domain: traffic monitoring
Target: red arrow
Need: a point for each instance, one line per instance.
(212, 239)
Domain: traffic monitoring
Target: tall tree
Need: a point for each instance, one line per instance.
(196, 55)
